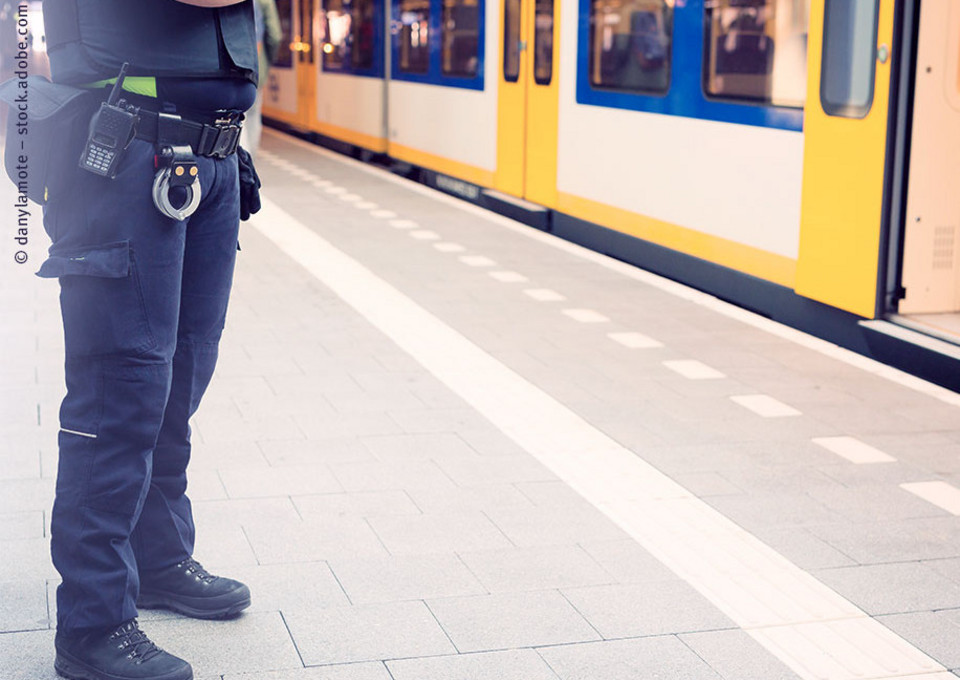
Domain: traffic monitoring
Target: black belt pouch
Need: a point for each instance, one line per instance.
(46, 128)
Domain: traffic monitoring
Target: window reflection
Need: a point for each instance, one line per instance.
(630, 44)
(414, 36)
(757, 50)
(348, 28)
(461, 37)
(543, 43)
(285, 54)
(511, 40)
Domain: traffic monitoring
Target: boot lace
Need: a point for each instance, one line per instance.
(191, 566)
(129, 636)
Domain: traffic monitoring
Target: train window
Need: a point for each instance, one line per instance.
(285, 54)
(849, 57)
(414, 43)
(461, 37)
(511, 40)
(543, 43)
(756, 50)
(630, 44)
(348, 34)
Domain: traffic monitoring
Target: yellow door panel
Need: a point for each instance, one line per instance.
(511, 99)
(843, 171)
(543, 104)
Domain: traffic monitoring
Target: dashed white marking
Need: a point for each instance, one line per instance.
(351, 198)
(586, 316)
(321, 183)
(447, 247)
(336, 190)
(477, 261)
(853, 450)
(424, 235)
(694, 370)
(365, 205)
(815, 631)
(383, 214)
(941, 494)
(765, 406)
(403, 224)
(509, 277)
(635, 340)
(544, 295)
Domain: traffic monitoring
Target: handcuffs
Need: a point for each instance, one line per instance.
(176, 168)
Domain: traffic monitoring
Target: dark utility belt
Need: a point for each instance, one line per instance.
(214, 140)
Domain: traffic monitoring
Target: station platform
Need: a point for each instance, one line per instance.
(441, 445)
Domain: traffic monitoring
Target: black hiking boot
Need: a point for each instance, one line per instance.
(122, 653)
(191, 590)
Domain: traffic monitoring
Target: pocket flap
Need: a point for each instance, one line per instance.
(110, 261)
(43, 97)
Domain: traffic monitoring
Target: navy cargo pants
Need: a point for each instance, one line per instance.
(143, 299)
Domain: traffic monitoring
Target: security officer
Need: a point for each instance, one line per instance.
(143, 297)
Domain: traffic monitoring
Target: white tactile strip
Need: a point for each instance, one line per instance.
(635, 340)
(694, 370)
(853, 450)
(765, 406)
(819, 634)
(942, 494)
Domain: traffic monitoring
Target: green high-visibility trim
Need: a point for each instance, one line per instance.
(145, 86)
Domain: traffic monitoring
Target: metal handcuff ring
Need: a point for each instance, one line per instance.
(176, 168)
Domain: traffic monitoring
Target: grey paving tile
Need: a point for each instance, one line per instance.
(27, 656)
(391, 579)
(437, 446)
(453, 499)
(297, 452)
(538, 568)
(893, 588)
(490, 442)
(212, 456)
(893, 541)
(519, 664)
(23, 605)
(734, 655)
(652, 608)
(438, 420)
(292, 480)
(21, 465)
(935, 633)
(476, 471)
(313, 540)
(381, 476)
(802, 548)
(554, 526)
(242, 511)
(281, 586)
(353, 671)
(356, 504)
(438, 533)
(28, 558)
(205, 485)
(877, 503)
(346, 425)
(26, 495)
(776, 510)
(20, 525)
(653, 658)
(252, 642)
(506, 621)
(627, 561)
(366, 633)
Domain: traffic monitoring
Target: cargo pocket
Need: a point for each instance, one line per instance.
(101, 300)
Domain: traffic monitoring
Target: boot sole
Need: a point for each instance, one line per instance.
(161, 601)
(76, 670)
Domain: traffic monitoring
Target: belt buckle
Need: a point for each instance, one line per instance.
(228, 138)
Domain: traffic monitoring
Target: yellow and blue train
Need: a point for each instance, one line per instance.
(800, 158)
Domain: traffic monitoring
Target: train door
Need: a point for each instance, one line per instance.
(281, 93)
(527, 100)
(306, 63)
(845, 142)
(930, 274)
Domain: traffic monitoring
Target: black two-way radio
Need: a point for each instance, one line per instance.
(111, 130)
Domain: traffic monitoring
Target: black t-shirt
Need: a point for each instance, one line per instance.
(206, 95)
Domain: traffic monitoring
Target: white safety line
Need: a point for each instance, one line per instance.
(424, 235)
(383, 214)
(630, 271)
(477, 261)
(447, 247)
(941, 494)
(815, 631)
(635, 340)
(366, 205)
(853, 450)
(403, 224)
(694, 370)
